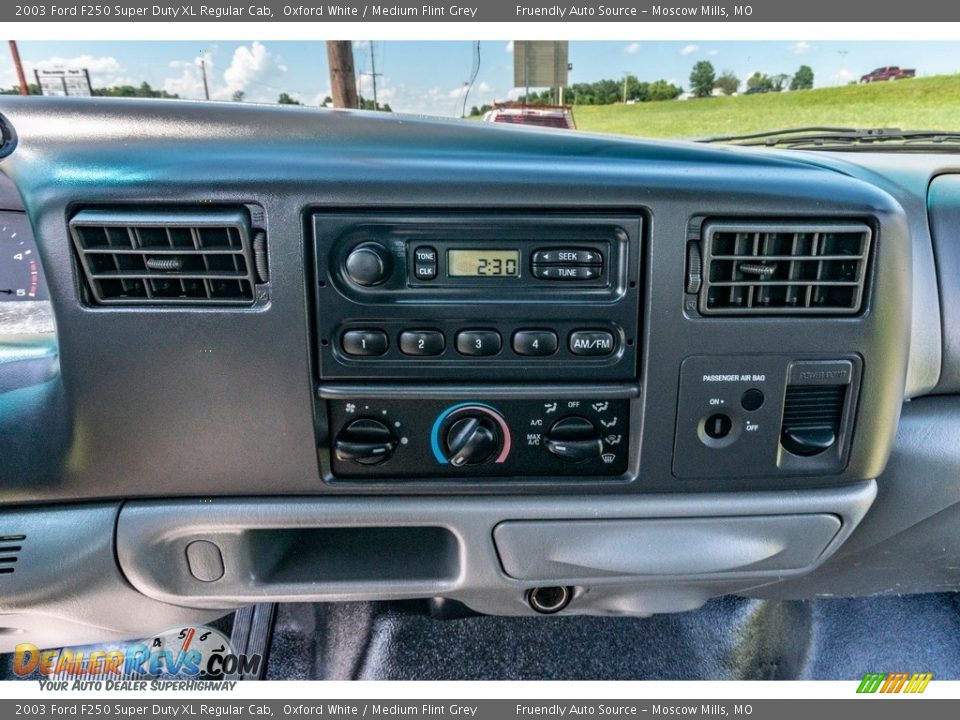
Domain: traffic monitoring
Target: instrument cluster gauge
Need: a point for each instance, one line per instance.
(21, 275)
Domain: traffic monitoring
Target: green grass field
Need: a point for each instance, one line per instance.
(917, 104)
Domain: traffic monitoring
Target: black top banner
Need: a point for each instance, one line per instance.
(489, 11)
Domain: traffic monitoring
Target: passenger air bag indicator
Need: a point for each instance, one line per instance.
(591, 342)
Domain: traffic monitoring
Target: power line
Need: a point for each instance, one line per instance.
(474, 72)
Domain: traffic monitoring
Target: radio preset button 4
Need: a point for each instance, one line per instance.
(535, 342)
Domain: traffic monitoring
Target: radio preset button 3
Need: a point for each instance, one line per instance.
(478, 342)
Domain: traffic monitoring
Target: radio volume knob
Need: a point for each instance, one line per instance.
(472, 440)
(368, 264)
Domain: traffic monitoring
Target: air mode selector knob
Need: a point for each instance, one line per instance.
(472, 439)
(365, 441)
(574, 439)
(368, 264)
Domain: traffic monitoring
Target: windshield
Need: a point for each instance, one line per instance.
(655, 89)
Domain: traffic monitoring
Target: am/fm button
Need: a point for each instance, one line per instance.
(591, 342)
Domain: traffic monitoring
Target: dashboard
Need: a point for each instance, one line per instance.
(307, 356)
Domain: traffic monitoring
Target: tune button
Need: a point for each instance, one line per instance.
(364, 343)
(566, 272)
(478, 342)
(535, 342)
(422, 342)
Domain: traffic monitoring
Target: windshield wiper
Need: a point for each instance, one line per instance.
(834, 138)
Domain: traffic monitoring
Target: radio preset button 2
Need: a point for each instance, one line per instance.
(422, 342)
(364, 343)
(535, 342)
(591, 342)
(478, 342)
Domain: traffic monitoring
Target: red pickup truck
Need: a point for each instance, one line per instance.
(887, 73)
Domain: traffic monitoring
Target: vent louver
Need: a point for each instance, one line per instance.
(205, 257)
(758, 268)
(10, 547)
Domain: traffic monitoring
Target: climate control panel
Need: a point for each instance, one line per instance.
(477, 438)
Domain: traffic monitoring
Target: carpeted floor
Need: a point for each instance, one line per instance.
(729, 638)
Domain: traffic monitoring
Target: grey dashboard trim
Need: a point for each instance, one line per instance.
(152, 537)
(907, 176)
(944, 209)
(169, 401)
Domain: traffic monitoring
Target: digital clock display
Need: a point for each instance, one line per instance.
(483, 263)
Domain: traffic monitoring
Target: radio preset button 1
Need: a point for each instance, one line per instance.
(362, 343)
(478, 342)
(591, 342)
(535, 342)
(566, 272)
(422, 342)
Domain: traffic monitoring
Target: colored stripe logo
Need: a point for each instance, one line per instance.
(889, 683)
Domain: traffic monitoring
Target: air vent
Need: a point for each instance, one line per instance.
(783, 269)
(204, 257)
(10, 547)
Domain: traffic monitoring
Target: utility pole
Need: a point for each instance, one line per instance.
(373, 74)
(24, 88)
(626, 74)
(343, 78)
(203, 70)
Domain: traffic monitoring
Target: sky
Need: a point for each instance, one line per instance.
(429, 77)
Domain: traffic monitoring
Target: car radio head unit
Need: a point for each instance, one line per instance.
(476, 296)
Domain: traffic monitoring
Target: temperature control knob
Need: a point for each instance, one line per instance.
(365, 441)
(368, 264)
(574, 439)
(472, 439)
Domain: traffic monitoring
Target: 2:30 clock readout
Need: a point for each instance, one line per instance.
(483, 263)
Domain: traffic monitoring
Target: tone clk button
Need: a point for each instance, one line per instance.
(591, 342)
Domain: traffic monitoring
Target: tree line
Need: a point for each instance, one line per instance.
(704, 79)
(144, 90)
